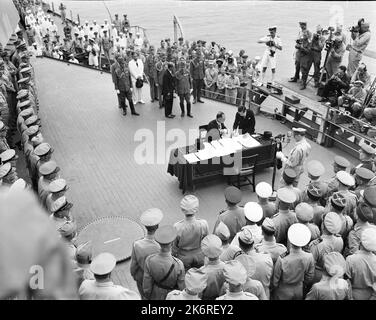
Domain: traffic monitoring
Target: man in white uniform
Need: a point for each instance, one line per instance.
(273, 43)
(136, 68)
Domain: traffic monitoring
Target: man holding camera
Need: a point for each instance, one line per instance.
(336, 83)
(354, 99)
(303, 29)
(273, 43)
(318, 43)
(305, 56)
(361, 37)
(335, 56)
(361, 74)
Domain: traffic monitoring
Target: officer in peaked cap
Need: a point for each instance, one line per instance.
(68, 232)
(233, 217)
(190, 232)
(366, 155)
(358, 270)
(48, 172)
(84, 255)
(339, 164)
(268, 244)
(363, 176)
(195, 283)
(3, 140)
(288, 281)
(61, 212)
(315, 170)
(288, 177)
(57, 189)
(328, 242)
(146, 246)
(236, 276)
(163, 272)
(338, 203)
(347, 181)
(369, 196)
(304, 214)
(285, 217)
(29, 133)
(22, 117)
(9, 156)
(264, 190)
(23, 104)
(102, 288)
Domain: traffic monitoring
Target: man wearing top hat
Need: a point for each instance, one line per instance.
(297, 155)
(143, 248)
(163, 273)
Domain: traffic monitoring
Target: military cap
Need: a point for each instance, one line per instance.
(335, 264)
(367, 148)
(341, 162)
(61, 204)
(369, 196)
(253, 212)
(364, 173)
(268, 225)
(315, 168)
(84, 253)
(303, 22)
(364, 212)
(8, 155)
(314, 191)
(189, 203)
(151, 217)
(48, 168)
(289, 175)
(299, 234)
(22, 94)
(345, 178)
(338, 200)
(57, 185)
(21, 46)
(43, 149)
(248, 263)
(32, 120)
(103, 263)
(264, 190)
(286, 195)
(37, 140)
(222, 231)
(233, 194)
(196, 280)
(23, 80)
(67, 229)
(24, 104)
(165, 234)
(26, 70)
(368, 239)
(246, 236)
(332, 222)
(235, 273)
(304, 212)
(300, 131)
(19, 184)
(26, 112)
(5, 169)
(211, 246)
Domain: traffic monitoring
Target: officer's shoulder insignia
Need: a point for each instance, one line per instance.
(275, 215)
(222, 211)
(282, 255)
(315, 242)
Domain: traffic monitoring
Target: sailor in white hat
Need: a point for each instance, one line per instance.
(332, 286)
(296, 268)
(163, 272)
(236, 276)
(264, 190)
(297, 156)
(253, 214)
(102, 288)
(195, 283)
(190, 232)
(211, 246)
(361, 266)
(143, 248)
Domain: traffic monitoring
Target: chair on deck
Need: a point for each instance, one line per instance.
(248, 166)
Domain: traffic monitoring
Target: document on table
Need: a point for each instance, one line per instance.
(220, 149)
(204, 155)
(231, 144)
(247, 141)
(191, 158)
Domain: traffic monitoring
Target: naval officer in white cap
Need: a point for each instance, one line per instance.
(102, 288)
(143, 248)
(297, 155)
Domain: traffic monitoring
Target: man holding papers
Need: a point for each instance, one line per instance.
(244, 121)
(216, 128)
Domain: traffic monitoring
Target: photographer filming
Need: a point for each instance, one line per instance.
(361, 36)
(305, 56)
(354, 99)
(318, 43)
(335, 56)
(273, 43)
(337, 81)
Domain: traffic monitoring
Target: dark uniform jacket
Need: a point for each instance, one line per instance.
(121, 78)
(183, 82)
(197, 69)
(246, 124)
(150, 66)
(168, 83)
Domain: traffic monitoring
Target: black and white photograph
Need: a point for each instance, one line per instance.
(160, 150)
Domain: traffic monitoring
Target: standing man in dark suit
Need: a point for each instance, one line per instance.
(168, 90)
(112, 69)
(244, 121)
(123, 85)
(197, 70)
(216, 128)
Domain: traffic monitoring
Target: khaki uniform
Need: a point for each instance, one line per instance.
(234, 219)
(237, 296)
(353, 239)
(321, 246)
(318, 212)
(228, 252)
(215, 281)
(3, 145)
(333, 184)
(256, 233)
(256, 288)
(181, 295)
(291, 273)
(272, 247)
(187, 245)
(282, 222)
(156, 285)
(299, 197)
(361, 271)
(43, 188)
(351, 203)
(141, 250)
(330, 289)
(315, 231)
(268, 208)
(93, 290)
